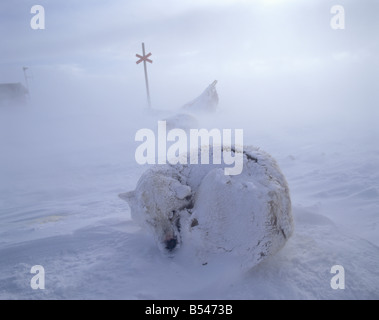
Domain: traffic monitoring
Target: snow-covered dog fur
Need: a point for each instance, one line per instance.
(157, 203)
(247, 216)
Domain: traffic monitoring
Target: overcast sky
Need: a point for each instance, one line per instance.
(261, 52)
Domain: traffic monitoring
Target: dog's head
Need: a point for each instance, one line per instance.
(159, 201)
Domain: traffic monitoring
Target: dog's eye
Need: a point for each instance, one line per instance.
(172, 215)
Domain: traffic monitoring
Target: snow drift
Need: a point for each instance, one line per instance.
(206, 102)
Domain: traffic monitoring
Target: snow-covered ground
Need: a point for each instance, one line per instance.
(61, 170)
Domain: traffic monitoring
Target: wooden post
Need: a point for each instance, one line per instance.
(145, 59)
(146, 78)
(26, 81)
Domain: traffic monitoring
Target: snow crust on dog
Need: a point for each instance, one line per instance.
(246, 217)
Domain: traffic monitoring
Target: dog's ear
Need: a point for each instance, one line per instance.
(128, 196)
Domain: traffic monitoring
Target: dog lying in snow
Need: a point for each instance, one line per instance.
(246, 216)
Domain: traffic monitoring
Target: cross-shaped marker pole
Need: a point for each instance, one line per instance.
(144, 58)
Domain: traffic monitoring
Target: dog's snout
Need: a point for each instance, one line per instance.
(171, 244)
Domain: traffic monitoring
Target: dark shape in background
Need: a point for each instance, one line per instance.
(13, 94)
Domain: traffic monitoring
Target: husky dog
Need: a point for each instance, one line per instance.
(157, 203)
(246, 216)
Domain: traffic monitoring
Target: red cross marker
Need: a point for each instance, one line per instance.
(144, 58)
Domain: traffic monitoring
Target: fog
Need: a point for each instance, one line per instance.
(302, 91)
(274, 55)
(280, 68)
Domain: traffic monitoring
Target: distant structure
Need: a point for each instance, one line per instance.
(12, 94)
(206, 102)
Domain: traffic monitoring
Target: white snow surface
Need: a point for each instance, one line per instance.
(59, 208)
